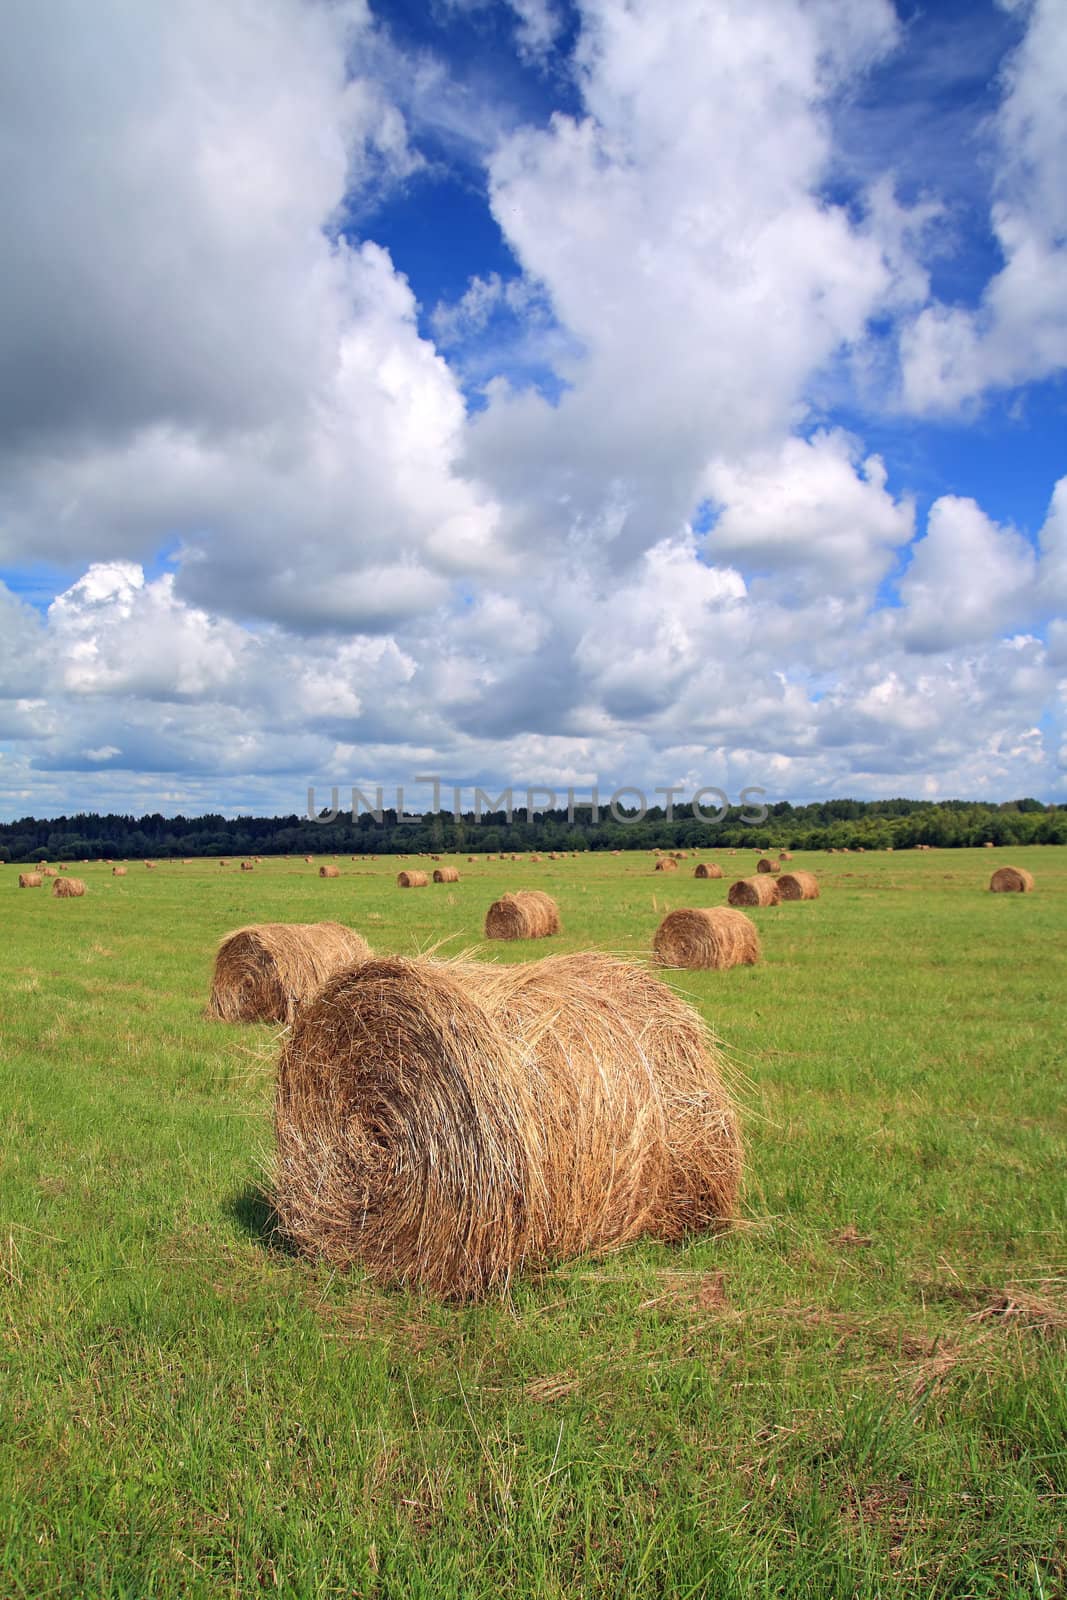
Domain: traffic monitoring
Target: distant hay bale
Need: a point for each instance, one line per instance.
(30, 880)
(535, 858)
(248, 866)
(761, 891)
(68, 889)
(309, 860)
(716, 937)
(798, 886)
(1011, 880)
(988, 845)
(326, 871)
(526, 914)
(787, 855)
(118, 872)
(666, 864)
(412, 879)
(471, 859)
(708, 869)
(451, 1124)
(616, 852)
(150, 866)
(266, 972)
(764, 864)
(445, 875)
(48, 872)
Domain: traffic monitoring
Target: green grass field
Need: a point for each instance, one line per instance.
(859, 1392)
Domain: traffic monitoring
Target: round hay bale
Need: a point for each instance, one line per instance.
(445, 875)
(787, 855)
(764, 864)
(248, 866)
(30, 880)
(798, 886)
(150, 866)
(118, 872)
(327, 871)
(471, 859)
(526, 914)
(988, 845)
(761, 891)
(666, 864)
(412, 879)
(452, 1124)
(708, 869)
(1011, 880)
(68, 889)
(715, 937)
(264, 973)
(309, 860)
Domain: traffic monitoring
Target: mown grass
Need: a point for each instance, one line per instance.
(859, 1392)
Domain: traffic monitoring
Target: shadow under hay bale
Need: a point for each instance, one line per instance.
(412, 880)
(798, 885)
(716, 938)
(68, 889)
(1011, 880)
(445, 875)
(265, 972)
(30, 880)
(708, 869)
(450, 1124)
(754, 892)
(526, 914)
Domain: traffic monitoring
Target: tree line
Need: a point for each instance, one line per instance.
(826, 824)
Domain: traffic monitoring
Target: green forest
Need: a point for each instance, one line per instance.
(825, 824)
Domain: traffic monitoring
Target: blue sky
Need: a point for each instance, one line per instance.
(560, 392)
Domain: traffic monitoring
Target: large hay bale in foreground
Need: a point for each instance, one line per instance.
(329, 872)
(30, 880)
(666, 864)
(1011, 880)
(798, 885)
(708, 869)
(754, 892)
(716, 937)
(412, 879)
(450, 1124)
(266, 972)
(68, 889)
(526, 914)
(445, 875)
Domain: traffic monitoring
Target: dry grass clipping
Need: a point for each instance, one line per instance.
(266, 972)
(30, 880)
(754, 892)
(666, 864)
(717, 938)
(798, 885)
(1011, 880)
(446, 875)
(413, 879)
(708, 869)
(450, 1124)
(329, 872)
(526, 914)
(68, 889)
